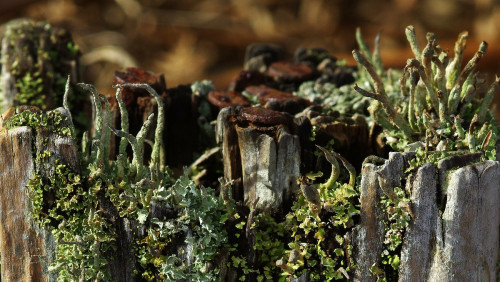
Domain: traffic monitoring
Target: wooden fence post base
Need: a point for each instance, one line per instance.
(455, 238)
(27, 249)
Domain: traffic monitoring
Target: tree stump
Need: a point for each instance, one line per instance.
(261, 143)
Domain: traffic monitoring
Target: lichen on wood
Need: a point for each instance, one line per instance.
(36, 60)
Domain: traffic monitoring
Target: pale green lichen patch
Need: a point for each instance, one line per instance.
(310, 240)
(75, 207)
(438, 104)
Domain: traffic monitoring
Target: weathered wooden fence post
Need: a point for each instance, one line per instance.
(268, 151)
(27, 249)
(451, 239)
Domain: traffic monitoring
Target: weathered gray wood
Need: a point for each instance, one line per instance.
(368, 236)
(269, 167)
(302, 278)
(27, 249)
(390, 174)
(453, 162)
(288, 163)
(258, 149)
(459, 245)
(467, 248)
(228, 139)
(419, 242)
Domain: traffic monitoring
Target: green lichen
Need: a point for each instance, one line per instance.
(30, 91)
(310, 239)
(397, 218)
(82, 233)
(52, 120)
(199, 224)
(343, 99)
(36, 59)
(435, 104)
(71, 204)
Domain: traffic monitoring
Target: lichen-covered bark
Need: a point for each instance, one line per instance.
(36, 59)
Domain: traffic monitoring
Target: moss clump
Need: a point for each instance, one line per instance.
(311, 240)
(54, 121)
(177, 228)
(36, 60)
(198, 224)
(71, 209)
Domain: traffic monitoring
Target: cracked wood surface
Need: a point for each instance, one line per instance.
(25, 247)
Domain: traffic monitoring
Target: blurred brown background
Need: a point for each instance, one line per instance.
(190, 40)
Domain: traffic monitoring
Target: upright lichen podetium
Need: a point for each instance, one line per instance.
(97, 143)
(157, 163)
(439, 98)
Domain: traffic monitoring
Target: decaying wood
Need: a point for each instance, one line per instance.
(458, 244)
(467, 237)
(258, 147)
(27, 249)
(419, 242)
(350, 137)
(269, 167)
(368, 236)
(228, 138)
(28, 48)
(453, 162)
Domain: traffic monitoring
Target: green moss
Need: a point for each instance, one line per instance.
(310, 239)
(82, 234)
(32, 48)
(52, 120)
(72, 205)
(397, 218)
(30, 91)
